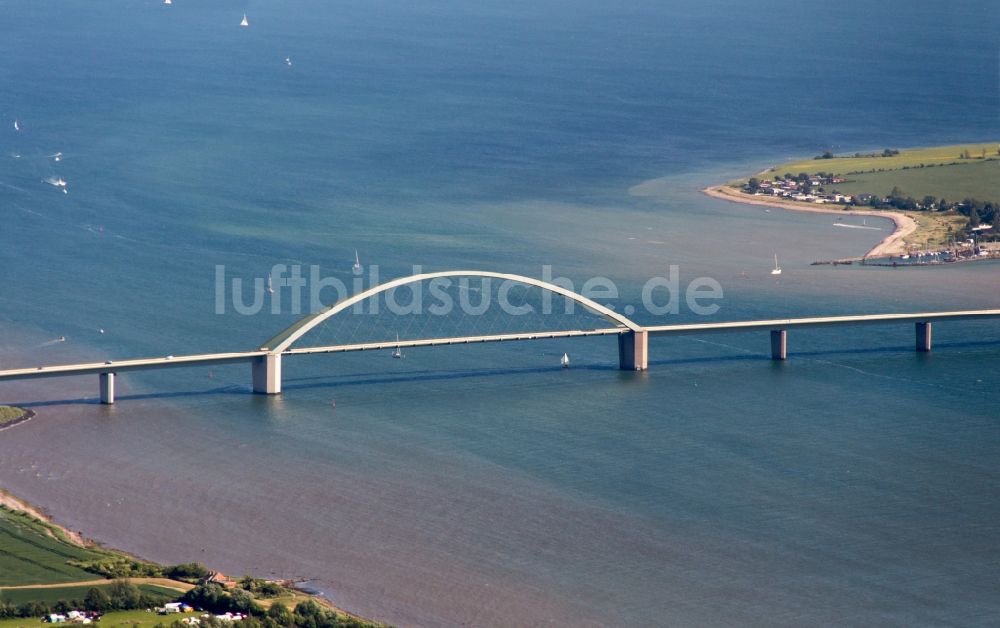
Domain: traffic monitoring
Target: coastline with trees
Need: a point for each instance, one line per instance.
(877, 184)
(49, 573)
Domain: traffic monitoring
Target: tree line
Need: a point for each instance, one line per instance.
(308, 613)
(120, 595)
(127, 567)
(210, 597)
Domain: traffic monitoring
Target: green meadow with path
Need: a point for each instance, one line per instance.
(979, 180)
(953, 172)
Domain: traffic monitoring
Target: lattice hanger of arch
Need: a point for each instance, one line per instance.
(454, 306)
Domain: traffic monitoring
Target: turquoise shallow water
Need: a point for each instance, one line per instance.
(855, 484)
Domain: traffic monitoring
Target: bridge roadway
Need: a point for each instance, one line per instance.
(632, 344)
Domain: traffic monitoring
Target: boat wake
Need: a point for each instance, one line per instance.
(840, 224)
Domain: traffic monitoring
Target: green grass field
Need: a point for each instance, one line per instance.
(114, 619)
(68, 593)
(907, 157)
(32, 552)
(10, 412)
(979, 180)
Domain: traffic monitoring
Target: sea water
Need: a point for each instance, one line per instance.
(484, 485)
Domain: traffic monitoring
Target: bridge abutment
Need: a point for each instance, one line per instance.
(633, 351)
(267, 374)
(923, 337)
(107, 386)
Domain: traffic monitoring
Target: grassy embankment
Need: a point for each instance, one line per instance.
(940, 171)
(12, 415)
(10, 412)
(34, 552)
(35, 555)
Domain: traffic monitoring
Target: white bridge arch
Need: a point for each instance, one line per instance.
(267, 367)
(289, 336)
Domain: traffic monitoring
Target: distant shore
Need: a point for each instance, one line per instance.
(892, 244)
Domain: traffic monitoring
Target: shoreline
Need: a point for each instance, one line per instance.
(27, 416)
(889, 246)
(17, 504)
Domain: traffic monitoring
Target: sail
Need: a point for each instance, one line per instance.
(244, 22)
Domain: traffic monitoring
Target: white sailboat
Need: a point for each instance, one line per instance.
(777, 269)
(397, 353)
(168, 1)
(357, 262)
(17, 126)
(565, 361)
(245, 22)
(270, 288)
(288, 61)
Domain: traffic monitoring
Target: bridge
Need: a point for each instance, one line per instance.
(633, 339)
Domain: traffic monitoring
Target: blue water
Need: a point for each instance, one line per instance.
(855, 484)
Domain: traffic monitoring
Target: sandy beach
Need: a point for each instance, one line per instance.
(893, 244)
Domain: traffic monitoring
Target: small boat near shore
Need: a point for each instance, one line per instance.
(847, 226)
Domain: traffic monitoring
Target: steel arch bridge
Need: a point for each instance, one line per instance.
(267, 369)
(632, 338)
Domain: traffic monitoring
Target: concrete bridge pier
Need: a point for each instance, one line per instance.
(267, 374)
(107, 386)
(779, 344)
(633, 351)
(923, 337)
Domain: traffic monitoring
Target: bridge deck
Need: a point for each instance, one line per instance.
(122, 366)
(821, 321)
(460, 340)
